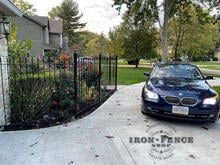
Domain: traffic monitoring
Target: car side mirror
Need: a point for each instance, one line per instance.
(208, 77)
(147, 74)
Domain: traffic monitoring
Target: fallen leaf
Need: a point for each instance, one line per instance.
(34, 144)
(71, 162)
(110, 137)
(192, 156)
(205, 128)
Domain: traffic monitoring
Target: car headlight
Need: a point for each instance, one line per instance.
(211, 100)
(151, 96)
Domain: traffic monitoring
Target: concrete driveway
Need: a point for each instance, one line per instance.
(117, 133)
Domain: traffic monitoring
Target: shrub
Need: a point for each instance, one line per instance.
(30, 99)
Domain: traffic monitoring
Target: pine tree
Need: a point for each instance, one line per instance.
(68, 12)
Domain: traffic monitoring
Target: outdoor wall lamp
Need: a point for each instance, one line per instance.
(5, 26)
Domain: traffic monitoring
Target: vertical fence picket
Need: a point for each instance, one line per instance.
(100, 74)
(116, 72)
(92, 80)
(75, 83)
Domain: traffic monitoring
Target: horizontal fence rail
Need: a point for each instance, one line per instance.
(45, 89)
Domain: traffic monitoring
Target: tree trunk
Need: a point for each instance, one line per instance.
(165, 31)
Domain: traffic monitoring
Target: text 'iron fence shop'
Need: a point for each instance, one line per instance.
(44, 90)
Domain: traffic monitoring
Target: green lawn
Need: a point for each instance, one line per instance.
(206, 63)
(217, 88)
(214, 75)
(214, 67)
(131, 75)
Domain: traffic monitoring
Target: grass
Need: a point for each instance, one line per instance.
(217, 88)
(214, 67)
(214, 75)
(206, 63)
(131, 75)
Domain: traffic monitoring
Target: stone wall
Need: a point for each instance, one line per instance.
(4, 83)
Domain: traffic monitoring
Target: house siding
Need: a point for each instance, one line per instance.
(55, 41)
(27, 29)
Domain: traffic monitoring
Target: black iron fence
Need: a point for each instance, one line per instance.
(45, 90)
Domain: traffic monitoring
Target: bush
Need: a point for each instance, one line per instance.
(63, 99)
(30, 99)
(134, 62)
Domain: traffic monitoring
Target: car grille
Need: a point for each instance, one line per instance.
(187, 101)
(172, 100)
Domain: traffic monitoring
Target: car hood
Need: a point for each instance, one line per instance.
(181, 87)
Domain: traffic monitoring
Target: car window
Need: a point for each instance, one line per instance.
(85, 60)
(177, 71)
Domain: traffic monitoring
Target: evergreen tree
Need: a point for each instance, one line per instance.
(68, 12)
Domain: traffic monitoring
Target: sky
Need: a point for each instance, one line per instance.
(98, 14)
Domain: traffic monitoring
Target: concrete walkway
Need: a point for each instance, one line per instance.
(117, 133)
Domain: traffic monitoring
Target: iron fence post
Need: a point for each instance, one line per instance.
(109, 78)
(116, 72)
(75, 82)
(100, 74)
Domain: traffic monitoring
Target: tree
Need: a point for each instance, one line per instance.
(68, 12)
(85, 37)
(115, 41)
(139, 39)
(199, 40)
(154, 9)
(25, 6)
(99, 44)
(180, 24)
(53, 13)
(17, 48)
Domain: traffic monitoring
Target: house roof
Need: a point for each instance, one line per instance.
(9, 9)
(34, 20)
(43, 20)
(55, 26)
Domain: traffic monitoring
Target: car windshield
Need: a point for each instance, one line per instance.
(85, 59)
(177, 71)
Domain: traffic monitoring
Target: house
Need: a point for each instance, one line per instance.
(46, 34)
(29, 28)
(217, 53)
(7, 8)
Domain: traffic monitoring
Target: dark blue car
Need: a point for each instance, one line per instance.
(180, 91)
